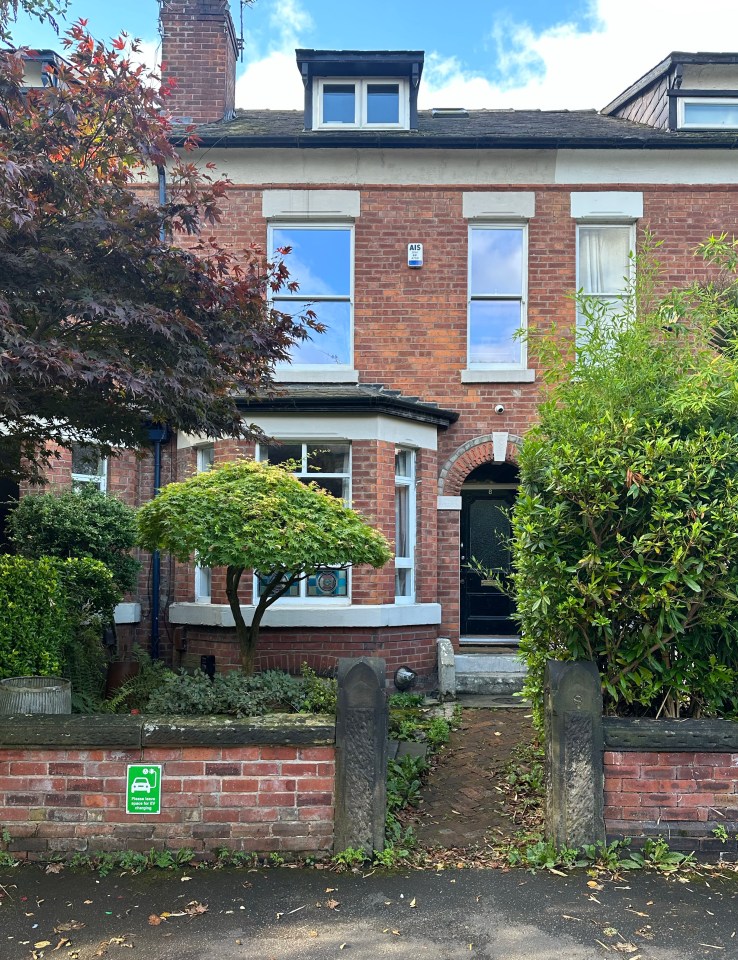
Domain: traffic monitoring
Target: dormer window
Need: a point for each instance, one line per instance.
(361, 103)
(361, 89)
(707, 113)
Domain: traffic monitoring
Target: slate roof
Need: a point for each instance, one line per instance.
(492, 129)
(350, 398)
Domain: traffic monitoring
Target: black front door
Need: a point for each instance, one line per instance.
(485, 533)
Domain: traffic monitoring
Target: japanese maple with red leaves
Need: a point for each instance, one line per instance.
(116, 309)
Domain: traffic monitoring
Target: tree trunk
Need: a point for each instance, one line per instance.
(246, 635)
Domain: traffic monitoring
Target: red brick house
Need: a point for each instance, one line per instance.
(424, 239)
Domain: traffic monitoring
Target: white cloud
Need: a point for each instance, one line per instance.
(271, 79)
(574, 66)
(571, 65)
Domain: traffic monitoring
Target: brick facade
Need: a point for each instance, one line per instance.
(681, 796)
(252, 798)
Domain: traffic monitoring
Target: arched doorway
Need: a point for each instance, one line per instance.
(487, 612)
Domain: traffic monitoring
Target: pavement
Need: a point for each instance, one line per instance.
(308, 914)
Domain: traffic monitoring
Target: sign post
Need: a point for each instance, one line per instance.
(143, 788)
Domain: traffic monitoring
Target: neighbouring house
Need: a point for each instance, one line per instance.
(424, 239)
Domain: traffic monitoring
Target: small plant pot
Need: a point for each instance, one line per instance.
(19, 695)
(120, 672)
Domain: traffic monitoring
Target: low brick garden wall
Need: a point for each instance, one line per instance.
(262, 785)
(655, 786)
(612, 778)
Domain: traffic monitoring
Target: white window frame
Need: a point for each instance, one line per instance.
(522, 227)
(305, 473)
(630, 266)
(683, 102)
(204, 575)
(408, 563)
(361, 86)
(99, 480)
(299, 295)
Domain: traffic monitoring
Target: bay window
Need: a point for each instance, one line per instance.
(328, 464)
(405, 526)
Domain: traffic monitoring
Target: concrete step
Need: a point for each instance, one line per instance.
(488, 674)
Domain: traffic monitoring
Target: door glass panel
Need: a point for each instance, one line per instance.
(489, 531)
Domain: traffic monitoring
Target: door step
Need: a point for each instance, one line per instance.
(489, 674)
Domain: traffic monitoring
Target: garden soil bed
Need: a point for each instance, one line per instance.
(466, 801)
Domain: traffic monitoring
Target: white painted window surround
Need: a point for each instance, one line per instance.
(311, 204)
(359, 111)
(607, 205)
(204, 575)
(499, 205)
(308, 616)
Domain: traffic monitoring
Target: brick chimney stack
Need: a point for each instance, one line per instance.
(199, 50)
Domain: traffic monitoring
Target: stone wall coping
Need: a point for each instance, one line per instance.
(633, 734)
(90, 732)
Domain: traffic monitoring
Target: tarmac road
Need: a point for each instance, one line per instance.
(296, 914)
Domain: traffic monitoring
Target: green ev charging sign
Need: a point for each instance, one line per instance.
(143, 789)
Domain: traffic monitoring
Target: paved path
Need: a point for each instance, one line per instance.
(283, 914)
(462, 801)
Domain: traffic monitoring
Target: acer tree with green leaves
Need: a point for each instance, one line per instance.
(254, 516)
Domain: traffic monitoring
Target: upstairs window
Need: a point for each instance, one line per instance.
(321, 262)
(497, 292)
(707, 113)
(88, 468)
(604, 267)
(361, 103)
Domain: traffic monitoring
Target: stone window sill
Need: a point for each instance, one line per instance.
(498, 376)
(311, 615)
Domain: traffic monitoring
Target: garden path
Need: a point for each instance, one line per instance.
(463, 804)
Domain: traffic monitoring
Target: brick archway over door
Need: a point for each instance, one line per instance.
(491, 448)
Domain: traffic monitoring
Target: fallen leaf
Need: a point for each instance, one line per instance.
(331, 889)
(313, 933)
(413, 903)
(194, 909)
(594, 885)
(183, 879)
(624, 947)
(64, 942)
(332, 904)
(54, 868)
(610, 932)
(239, 942)
(41, 944)
(88, 901)
(69, 925)
(154, 920)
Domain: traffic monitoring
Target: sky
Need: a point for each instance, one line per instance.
(547, 54)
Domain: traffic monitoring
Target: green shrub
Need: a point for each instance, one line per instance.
(83, 523)
(35, 626)
(237, 694)
(626, 526)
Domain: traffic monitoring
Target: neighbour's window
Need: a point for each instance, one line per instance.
(329, 465)
(204, 575)
(321, 261)
(497, 288)
(88, 467)
(362, 103)
(405, 523)
(708, 113)
(604, 267)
